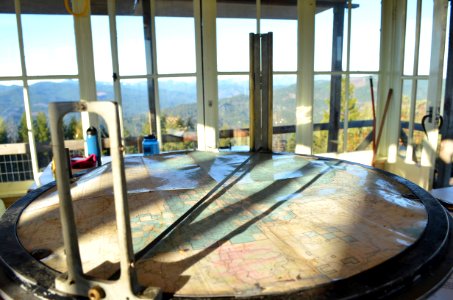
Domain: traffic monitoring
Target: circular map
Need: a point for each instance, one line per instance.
(278, 223)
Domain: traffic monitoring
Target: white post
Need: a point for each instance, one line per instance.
(305, 75)
(85, 63)
(31, 137)
(210, 89)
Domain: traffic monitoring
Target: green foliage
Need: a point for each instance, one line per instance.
(42, 133)
(175, 125)
(73, 130)
(22, 130)
(3, 132)
(355, 135)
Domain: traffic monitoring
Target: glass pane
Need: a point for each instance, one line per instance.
(234, 113)
(284, 113)
(330, 36)
(360, 112)
(49, 44)
(175, 37)
(102, 57)
(281, 20)
(405, 117)
(322, 85)
(409, 50)
(235, 21)
(12, 103)
(425, 37)
(327, 88)
(41, 93)
(131, 41)
(420, 111)
(365, 23)
(10, 55)
(447, 34)
(135, 107)
(323, 38)
(178, 113)
(15, 167)
(343, 38)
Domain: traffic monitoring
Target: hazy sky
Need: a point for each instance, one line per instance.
(50, 46)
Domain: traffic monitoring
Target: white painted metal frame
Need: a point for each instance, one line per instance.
(429, 151)
(391, 65)
(154, 69)
(346, 73)
(394, 33)
(346, 89)
(153, 73)
(414, 78)
(201, 143)
(31, 137)
(210, 130)
(74, 282)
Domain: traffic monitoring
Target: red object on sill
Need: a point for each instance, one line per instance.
(84, 163)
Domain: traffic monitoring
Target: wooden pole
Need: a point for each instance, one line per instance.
(381, 126)
(373, 107)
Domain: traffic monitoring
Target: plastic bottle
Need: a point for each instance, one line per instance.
(150, 145)
(93, 144)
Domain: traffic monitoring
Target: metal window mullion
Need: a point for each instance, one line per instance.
(258, 16)
(305, 75)
(346, 88)
(155, 100)
(111, 7)
(26, 98)
(38, 77)
(233, 73)
(267, 90)
(412, 103)
(255, 92)
(343, 72)
(201, 135)
(418, 77)
(157, 76)
(155, 71)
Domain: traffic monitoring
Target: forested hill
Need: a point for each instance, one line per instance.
(177, 98)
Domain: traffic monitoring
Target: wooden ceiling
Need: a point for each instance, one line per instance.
(274, 9)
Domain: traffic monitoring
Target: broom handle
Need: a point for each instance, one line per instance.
(381, 126)
(373, 107)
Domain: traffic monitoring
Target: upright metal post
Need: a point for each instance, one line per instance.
(335, 83)
(151, 68)
(267, 91)
(261, 123)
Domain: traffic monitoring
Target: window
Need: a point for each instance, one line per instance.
(344, 64)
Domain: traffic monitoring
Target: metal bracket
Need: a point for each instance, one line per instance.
(74, 282)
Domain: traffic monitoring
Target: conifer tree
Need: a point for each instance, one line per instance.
(22, 129)
(42, 133)
(3, 132)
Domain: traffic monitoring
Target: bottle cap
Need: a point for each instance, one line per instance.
(92, 131)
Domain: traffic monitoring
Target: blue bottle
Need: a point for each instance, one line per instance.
(93, 144)
(150, 145)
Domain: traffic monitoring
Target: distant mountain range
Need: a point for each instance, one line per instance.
(179, 98)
